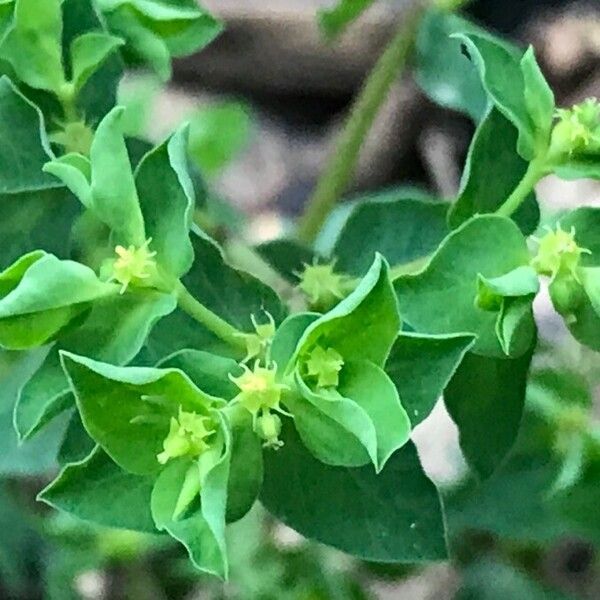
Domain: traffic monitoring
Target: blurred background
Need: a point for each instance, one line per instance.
(266, 101)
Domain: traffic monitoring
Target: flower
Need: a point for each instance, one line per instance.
(258, 344)
(578, 129)
(322, 285)
(558, 252)
(133, 265)
(188, 434)
(259, 390)
(324, 366)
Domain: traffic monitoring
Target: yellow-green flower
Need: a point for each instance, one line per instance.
(578, 129)
(259, 389)
(323, 287)
(134, 265)
(324, 365)
(259, 343)
(188, 436)
(558, 252)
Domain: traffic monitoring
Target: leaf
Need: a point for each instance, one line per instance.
(485, 399)
(218, 134)
(33, 46)
(355, 510)
(155, 31)
(334, 21)
(36, 220)
(115, 199)
(88, 52)
(234, 295)
(584, 321)
(77, 445)
(421, 366)
(127, 410)
(202, 532)
(515, 326)
(441, 298)
(211, 373)
(29, 318)
(75, 171)
(287, 336)
(493, 158)
(167, 201)
(25, 147)
(98, 95)
(370, 312)
(35, 457)
(403, 230)
(245, 468)
(442, 71)
(539, 97)
(504, 78)
(114, 332)
(97, 490)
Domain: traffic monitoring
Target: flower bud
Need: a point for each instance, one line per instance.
(324, 366)
(323, 287)
(268, 428)
(567, 294)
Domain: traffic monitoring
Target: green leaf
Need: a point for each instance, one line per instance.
(353, 509)
(493, 158)
(334, 21)
(88, 52)
(114, 332)
(155, 31)
(515, 326)
(75, 171)
(29, 318)
(127, 410)
(167, 201)
(245, 468)
(539, 97)
(499, 67)
(25, 148)
(422, 365)
(234, 295)
(442, 71)
(36, 220)
(77, 444)
(370, 312)
(211, 373)
(403, 230)
(97, 490)
(485, 399)
(287, 336)
(441, 298)
(217, 134)
(202, 532)
(584, 321)
(98, 95)
(115, 199)
(34, 457)
(33, 46)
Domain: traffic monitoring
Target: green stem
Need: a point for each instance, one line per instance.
(534, 173)
(221, 328)
(341, 166)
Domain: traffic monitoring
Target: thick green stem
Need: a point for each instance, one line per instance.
(534, 173)
(221, 328)
(341, 166)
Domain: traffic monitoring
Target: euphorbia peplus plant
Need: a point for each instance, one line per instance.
(187, 389)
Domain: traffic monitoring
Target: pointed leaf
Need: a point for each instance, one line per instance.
(492, 171)
(114, 331)
(88, 52)
(443, 72)
(441, 298)
(404, 231)
(334, 20)
(355, 510)
(485, 398)
(115, 199)
(127, 410)
(33, 46)
(167, 201)
(97, 490)
(422, 365)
